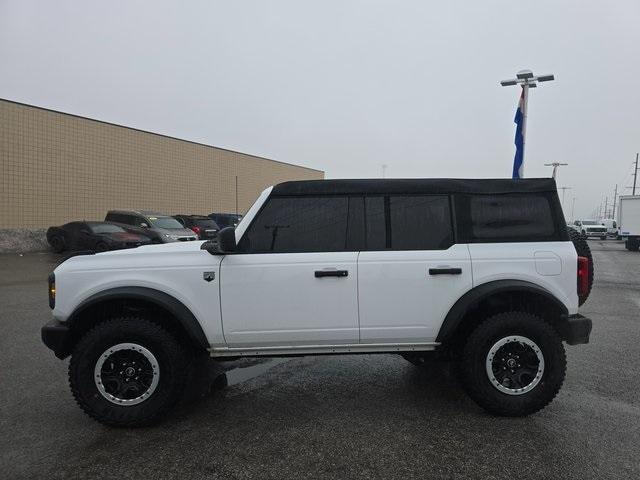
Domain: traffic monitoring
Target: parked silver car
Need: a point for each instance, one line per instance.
(161, 228)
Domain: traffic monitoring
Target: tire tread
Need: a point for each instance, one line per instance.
(475, 382)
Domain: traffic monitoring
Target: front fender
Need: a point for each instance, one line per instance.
(163, 300)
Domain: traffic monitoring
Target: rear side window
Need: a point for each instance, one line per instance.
(119, 218)
(420, 222)
(518, 217)
(408, 222)
(299, 224)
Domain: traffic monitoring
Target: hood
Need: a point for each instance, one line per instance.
(172, 247)
(145, 256)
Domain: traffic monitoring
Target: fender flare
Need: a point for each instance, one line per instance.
(163, 300)
(477, 294)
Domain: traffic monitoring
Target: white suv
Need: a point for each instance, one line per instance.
(480, 271)
(592, 228)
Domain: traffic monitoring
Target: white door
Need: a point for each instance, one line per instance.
(405, 295)
(412, 272)
(289, 299)
(295, 282)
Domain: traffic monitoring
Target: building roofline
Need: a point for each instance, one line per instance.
(155, 133)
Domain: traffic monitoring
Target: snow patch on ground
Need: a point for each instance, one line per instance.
(18, 240)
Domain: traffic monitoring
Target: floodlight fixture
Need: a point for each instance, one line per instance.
(524, 75)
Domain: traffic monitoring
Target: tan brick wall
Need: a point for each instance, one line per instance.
(57, 167)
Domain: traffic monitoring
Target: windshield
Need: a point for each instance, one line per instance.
(589, 222)
(165, 222)
(106, 228)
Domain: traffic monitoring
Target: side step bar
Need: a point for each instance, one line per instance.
(321, 349)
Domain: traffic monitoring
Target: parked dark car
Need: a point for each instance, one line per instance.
(203, 226)
(226, 219)
(159, 227)
(96, 236)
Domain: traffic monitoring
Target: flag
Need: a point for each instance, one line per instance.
(518, 159)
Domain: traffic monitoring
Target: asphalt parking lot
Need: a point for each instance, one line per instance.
(373, 416)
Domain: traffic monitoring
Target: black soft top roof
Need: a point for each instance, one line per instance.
(413, 185)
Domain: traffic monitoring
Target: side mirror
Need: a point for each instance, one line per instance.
(84, 231)
(226, 242)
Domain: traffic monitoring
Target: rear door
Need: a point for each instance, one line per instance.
(294, 280)
(412, 272)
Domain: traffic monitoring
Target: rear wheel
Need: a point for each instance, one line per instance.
(127, 372)
(583, 250)
(513, 364)
(57, 243)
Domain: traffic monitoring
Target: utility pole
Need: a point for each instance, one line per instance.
(606, 206)
(526, 80)
(615, 196)
(384, 170)
(573, 204)
(555, 166)
(635, 176)
(236, 194)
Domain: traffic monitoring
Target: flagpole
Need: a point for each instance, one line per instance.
(525, 107)
(526, 79)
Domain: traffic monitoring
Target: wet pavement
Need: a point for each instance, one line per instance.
(370, 416)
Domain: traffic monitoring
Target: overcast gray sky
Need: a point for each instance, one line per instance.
(346, 86)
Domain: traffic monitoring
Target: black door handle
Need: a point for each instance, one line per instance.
(445, 271)
(331, 273)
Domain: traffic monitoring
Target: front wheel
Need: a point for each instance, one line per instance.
(513, 364)
(57, 244)
(127, 372)
(102, 247)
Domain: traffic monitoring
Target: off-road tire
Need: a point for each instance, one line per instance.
(57, 243)
(583, 250)
(475, 379)
(632, 244)
(173, 371)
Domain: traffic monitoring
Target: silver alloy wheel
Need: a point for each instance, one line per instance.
(126, 374)
(515, 365)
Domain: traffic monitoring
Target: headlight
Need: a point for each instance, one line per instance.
(172, 237)
(52, 291)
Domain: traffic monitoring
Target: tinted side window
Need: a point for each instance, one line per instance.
(408, 222)
(298, 224)
(376, 223)
(420, 222)
(511, 216)
(116, 217)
